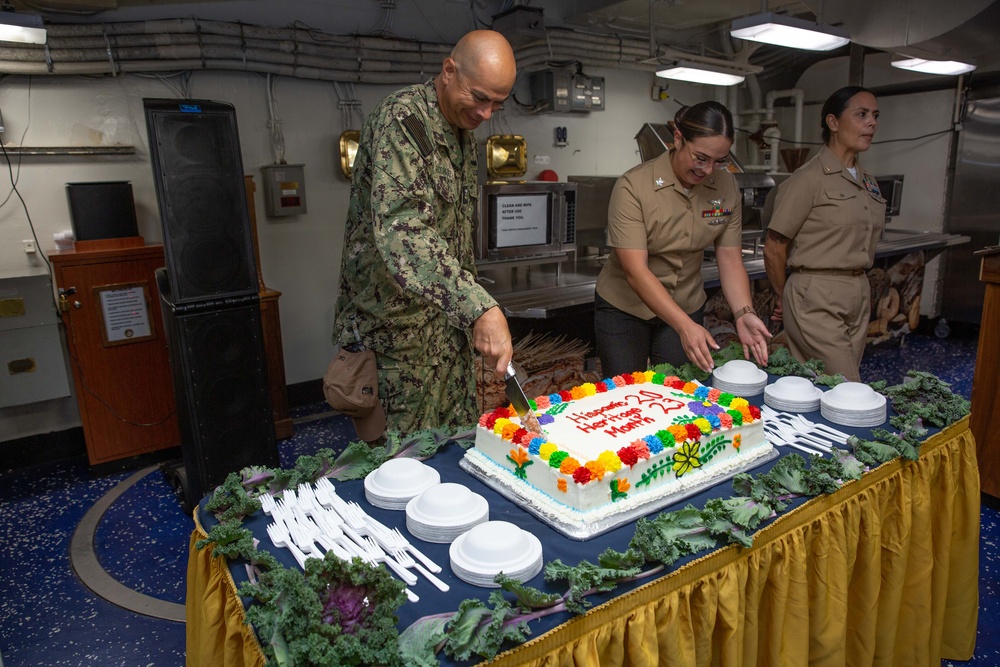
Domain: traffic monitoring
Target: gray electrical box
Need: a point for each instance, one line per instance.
(561, 91)
(284, 189)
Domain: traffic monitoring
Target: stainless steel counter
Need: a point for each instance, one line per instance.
(542, 291)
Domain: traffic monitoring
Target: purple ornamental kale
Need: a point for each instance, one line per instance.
(346, 606)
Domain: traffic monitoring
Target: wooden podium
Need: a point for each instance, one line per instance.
(986, 381)
(117, 345)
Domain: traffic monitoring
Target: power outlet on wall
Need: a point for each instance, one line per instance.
(29, 246)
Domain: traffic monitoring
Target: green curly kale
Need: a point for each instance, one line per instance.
(781, 362)
(337, 613)
(230, 500)
(928, 398)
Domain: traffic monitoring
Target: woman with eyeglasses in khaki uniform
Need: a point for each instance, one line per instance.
(650, 295)
(828, 217)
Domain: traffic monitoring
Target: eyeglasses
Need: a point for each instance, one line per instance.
(703, 161)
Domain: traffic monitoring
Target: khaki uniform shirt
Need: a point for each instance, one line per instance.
(408, 268)
(650, 211)
(833, 220)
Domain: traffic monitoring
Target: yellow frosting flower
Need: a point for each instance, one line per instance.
(649, 375)
(499, 424)
(703, 425)
(610, 461)
(545, 451)
(739, 403)
(588, 388)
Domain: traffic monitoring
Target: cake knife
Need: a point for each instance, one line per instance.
(515, 394)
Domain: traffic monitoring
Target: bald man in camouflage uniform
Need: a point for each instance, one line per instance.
(408, 271)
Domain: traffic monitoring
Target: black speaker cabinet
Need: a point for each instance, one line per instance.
(195, 151)
(220, 382)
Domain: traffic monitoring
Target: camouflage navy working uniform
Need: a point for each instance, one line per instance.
(408, 271)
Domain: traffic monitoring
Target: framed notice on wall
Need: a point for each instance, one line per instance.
(125, 313)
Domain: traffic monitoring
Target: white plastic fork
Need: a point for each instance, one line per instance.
(801, 423)
(281, 539)
(266, 503)
(406, 545)
(779, 439)
(406, 561)
(792, 433)
(376, 553)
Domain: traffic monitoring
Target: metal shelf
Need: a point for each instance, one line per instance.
(70, 150)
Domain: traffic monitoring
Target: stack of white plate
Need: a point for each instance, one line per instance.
(740, 378)
(793, 394)
(853, 404)
(492, 547)
(445, 511)
(395, 482)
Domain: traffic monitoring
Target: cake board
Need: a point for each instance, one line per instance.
(584, 527)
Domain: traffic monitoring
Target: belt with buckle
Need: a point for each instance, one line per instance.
(829, 272)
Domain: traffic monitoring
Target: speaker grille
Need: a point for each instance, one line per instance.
(223, 403)
(198, 171)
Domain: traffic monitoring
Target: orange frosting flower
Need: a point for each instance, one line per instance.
(520, 455)
(561, 484)
(569, 466)
(689, 387)
(596, 469)
(623, 485)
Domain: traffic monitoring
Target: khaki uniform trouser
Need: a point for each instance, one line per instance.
(826, 318)
(417, 397)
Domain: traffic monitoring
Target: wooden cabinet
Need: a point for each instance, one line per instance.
(985, 389)
(117, 346)
(270, 320)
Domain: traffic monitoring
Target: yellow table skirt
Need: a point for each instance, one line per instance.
(883, 572)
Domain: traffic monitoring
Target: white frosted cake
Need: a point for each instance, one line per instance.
(616, 445)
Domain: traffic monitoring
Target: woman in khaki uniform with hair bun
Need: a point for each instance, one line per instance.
(662, 215)
(828, 217)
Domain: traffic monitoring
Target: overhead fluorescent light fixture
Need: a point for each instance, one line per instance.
(794, 33)
(683, 70)
(21, 28)
(943, 67)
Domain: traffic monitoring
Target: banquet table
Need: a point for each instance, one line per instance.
(884, 571)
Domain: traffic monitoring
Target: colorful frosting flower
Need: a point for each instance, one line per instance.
(568, 466)
(546, 450)
(666, 438)
(686, 458)
(583, 474)
(535, 446)
(556, 458)
(703, 424)
(561, 485)
(610, 461)
(520, 459)
(654, 443)
(737, 441)
(628, 456)
(619, 489)
(596, 470)
(543, 403)
(588, 388)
